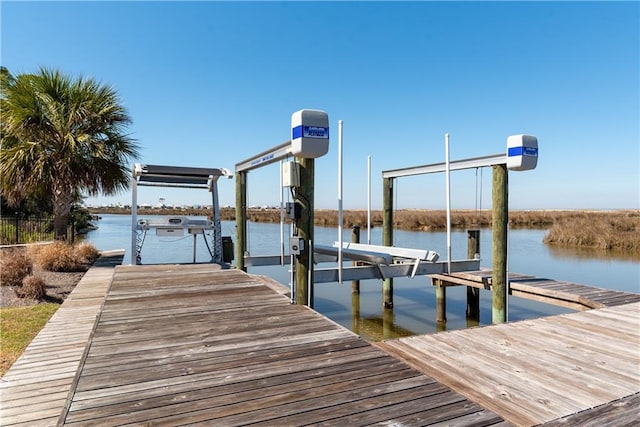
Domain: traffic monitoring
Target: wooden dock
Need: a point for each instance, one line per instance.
(194, 344)
(555, 292)
(197, 344)
(536, 371)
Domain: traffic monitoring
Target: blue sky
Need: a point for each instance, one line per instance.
(209, 84)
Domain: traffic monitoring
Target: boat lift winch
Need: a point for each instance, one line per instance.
(175, 226)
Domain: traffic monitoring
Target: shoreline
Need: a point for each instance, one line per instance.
(611, 230)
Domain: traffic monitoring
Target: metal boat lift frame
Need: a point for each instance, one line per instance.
(176, 177)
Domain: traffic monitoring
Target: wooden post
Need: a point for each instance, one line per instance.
(441, 301)
(473, 294)
(500, 219)
(355, 238)
(241, 219)
(355, 313)
(304, 225)
(387, 324)
(387, 236)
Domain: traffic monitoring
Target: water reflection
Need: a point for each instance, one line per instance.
(376, 328)
(593, 254)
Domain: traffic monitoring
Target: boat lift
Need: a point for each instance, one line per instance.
(382, 262)
(178, 177)
(521, 155)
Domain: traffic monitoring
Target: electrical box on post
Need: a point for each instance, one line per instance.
(290, 174)
(227, 249)
(309, 133)
(293, 210)
(522, 152)
(296, 245)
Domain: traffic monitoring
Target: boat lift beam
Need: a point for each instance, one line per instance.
(272, 155)
(408, 268)
(472, 163)
(327, 275)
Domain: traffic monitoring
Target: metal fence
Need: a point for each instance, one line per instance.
(19, 229)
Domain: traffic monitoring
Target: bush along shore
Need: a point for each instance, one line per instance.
(607, 230)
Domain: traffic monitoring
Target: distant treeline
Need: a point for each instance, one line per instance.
(619, 230)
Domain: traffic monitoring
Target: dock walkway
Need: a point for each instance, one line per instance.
(37, 385)
(550, 291)
(197, 344)
(194, 344)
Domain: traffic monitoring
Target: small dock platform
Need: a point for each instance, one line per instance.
(549, 291)
(535, 371)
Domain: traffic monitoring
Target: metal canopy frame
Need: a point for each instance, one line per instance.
(185, 177)
(176, 177)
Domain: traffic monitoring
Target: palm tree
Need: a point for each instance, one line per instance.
(61, 136)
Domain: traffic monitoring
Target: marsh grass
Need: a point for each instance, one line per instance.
(19, 326)
(597, 232)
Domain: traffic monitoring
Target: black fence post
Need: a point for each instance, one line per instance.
(17, 239)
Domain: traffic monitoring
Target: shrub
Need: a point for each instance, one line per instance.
(58, 256)
(86, 252)
(15, 265)
(33, 287)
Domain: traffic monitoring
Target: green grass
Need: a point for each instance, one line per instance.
(18, 327)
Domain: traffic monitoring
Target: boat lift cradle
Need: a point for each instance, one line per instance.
(176, 177)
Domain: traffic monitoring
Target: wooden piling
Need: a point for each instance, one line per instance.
(500, 219)
(355, 313)
(388, 324)
(355, 238)
(304, 225)
(473, 294)
(387, 236)
(441, 301)
(241, 219)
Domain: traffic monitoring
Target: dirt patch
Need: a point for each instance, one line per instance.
(59, 286)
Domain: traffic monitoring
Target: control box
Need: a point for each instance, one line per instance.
(293, 210)
(290, 174)
(170, 232)
(296, 245)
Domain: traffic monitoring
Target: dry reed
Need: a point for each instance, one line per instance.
(59, 256)
(15, 265)
(598, 232)
(33, 287)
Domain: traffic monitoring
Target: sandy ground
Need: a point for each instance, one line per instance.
(59, 285)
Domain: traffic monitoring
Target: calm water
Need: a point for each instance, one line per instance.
(414, 299)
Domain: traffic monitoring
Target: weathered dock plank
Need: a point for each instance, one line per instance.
(622, 412)
(219, 347)
(540, 370)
